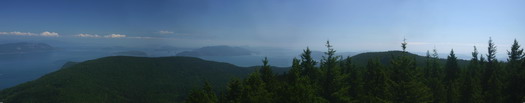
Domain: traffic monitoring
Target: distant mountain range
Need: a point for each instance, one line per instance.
(23, 47)
(131, 53)
(217, 51)
(143, 79)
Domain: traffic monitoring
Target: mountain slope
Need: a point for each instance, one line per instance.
(124, 79)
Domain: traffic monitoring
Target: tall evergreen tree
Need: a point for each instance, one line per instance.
(515, 54)
(514, 66)
(471, 89)
(294, 73)
(353, 77)
(491, 58)
(492, 80)
(334, 89)
(434, 78)
(255, 91)
(308, 64)
(266, 72)
(408, 86)
(299, 89)
(452, 68)
(491, 55)
(452, 74)
(234, 92)
(330, 74)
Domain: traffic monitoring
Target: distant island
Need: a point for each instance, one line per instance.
(217, 51)
(131, 53)
(23, 47)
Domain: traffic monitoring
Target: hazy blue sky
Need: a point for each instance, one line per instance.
(352, 25)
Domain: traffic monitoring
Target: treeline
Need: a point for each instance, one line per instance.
(338, 80)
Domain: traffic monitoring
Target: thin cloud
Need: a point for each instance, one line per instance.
(165, 32)
(18, 33)
(89, 35)
(50, 34)
(115, 36)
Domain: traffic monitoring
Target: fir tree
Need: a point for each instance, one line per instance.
(452, 68)
(308, 64)
(515, 54)
(334, 88)
(408, 87)
(471, 91)
(517, 80)
(266, 71)
(233, 92)
(255, 91)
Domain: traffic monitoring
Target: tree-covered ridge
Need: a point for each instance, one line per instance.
(121, 79)
(404, 79)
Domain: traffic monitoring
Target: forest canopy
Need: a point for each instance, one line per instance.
(337, 79)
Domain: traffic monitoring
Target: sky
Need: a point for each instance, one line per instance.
(350, 25)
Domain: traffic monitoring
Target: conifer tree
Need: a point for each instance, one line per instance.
(328, 67)
(491, 55)
(234, 92)
(515, 54)
(408, 86)
(471, 89)
(266, 72)
(492, 80)
(308, 64)
(295, 72)
(433, 77)
(353, 77)
(452, 68)
(299, 89)
(255, 91)
(517, 80)
(452, 74)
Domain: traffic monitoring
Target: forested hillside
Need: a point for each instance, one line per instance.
(403, 80)
(122, 79)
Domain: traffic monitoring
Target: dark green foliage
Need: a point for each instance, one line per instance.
(234, 92)
(125, 79)
(360, 60)
(266, 72)
(491, 55)
(471, 91)
(515, 65)
(452, 68)
(255, 91)
(308, 64)
(206, 95)
(334, 89)
(515, 54)
(408, 86)
(377, 85)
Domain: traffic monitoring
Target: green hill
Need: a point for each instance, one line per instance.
(386, 57)
(124, 79)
